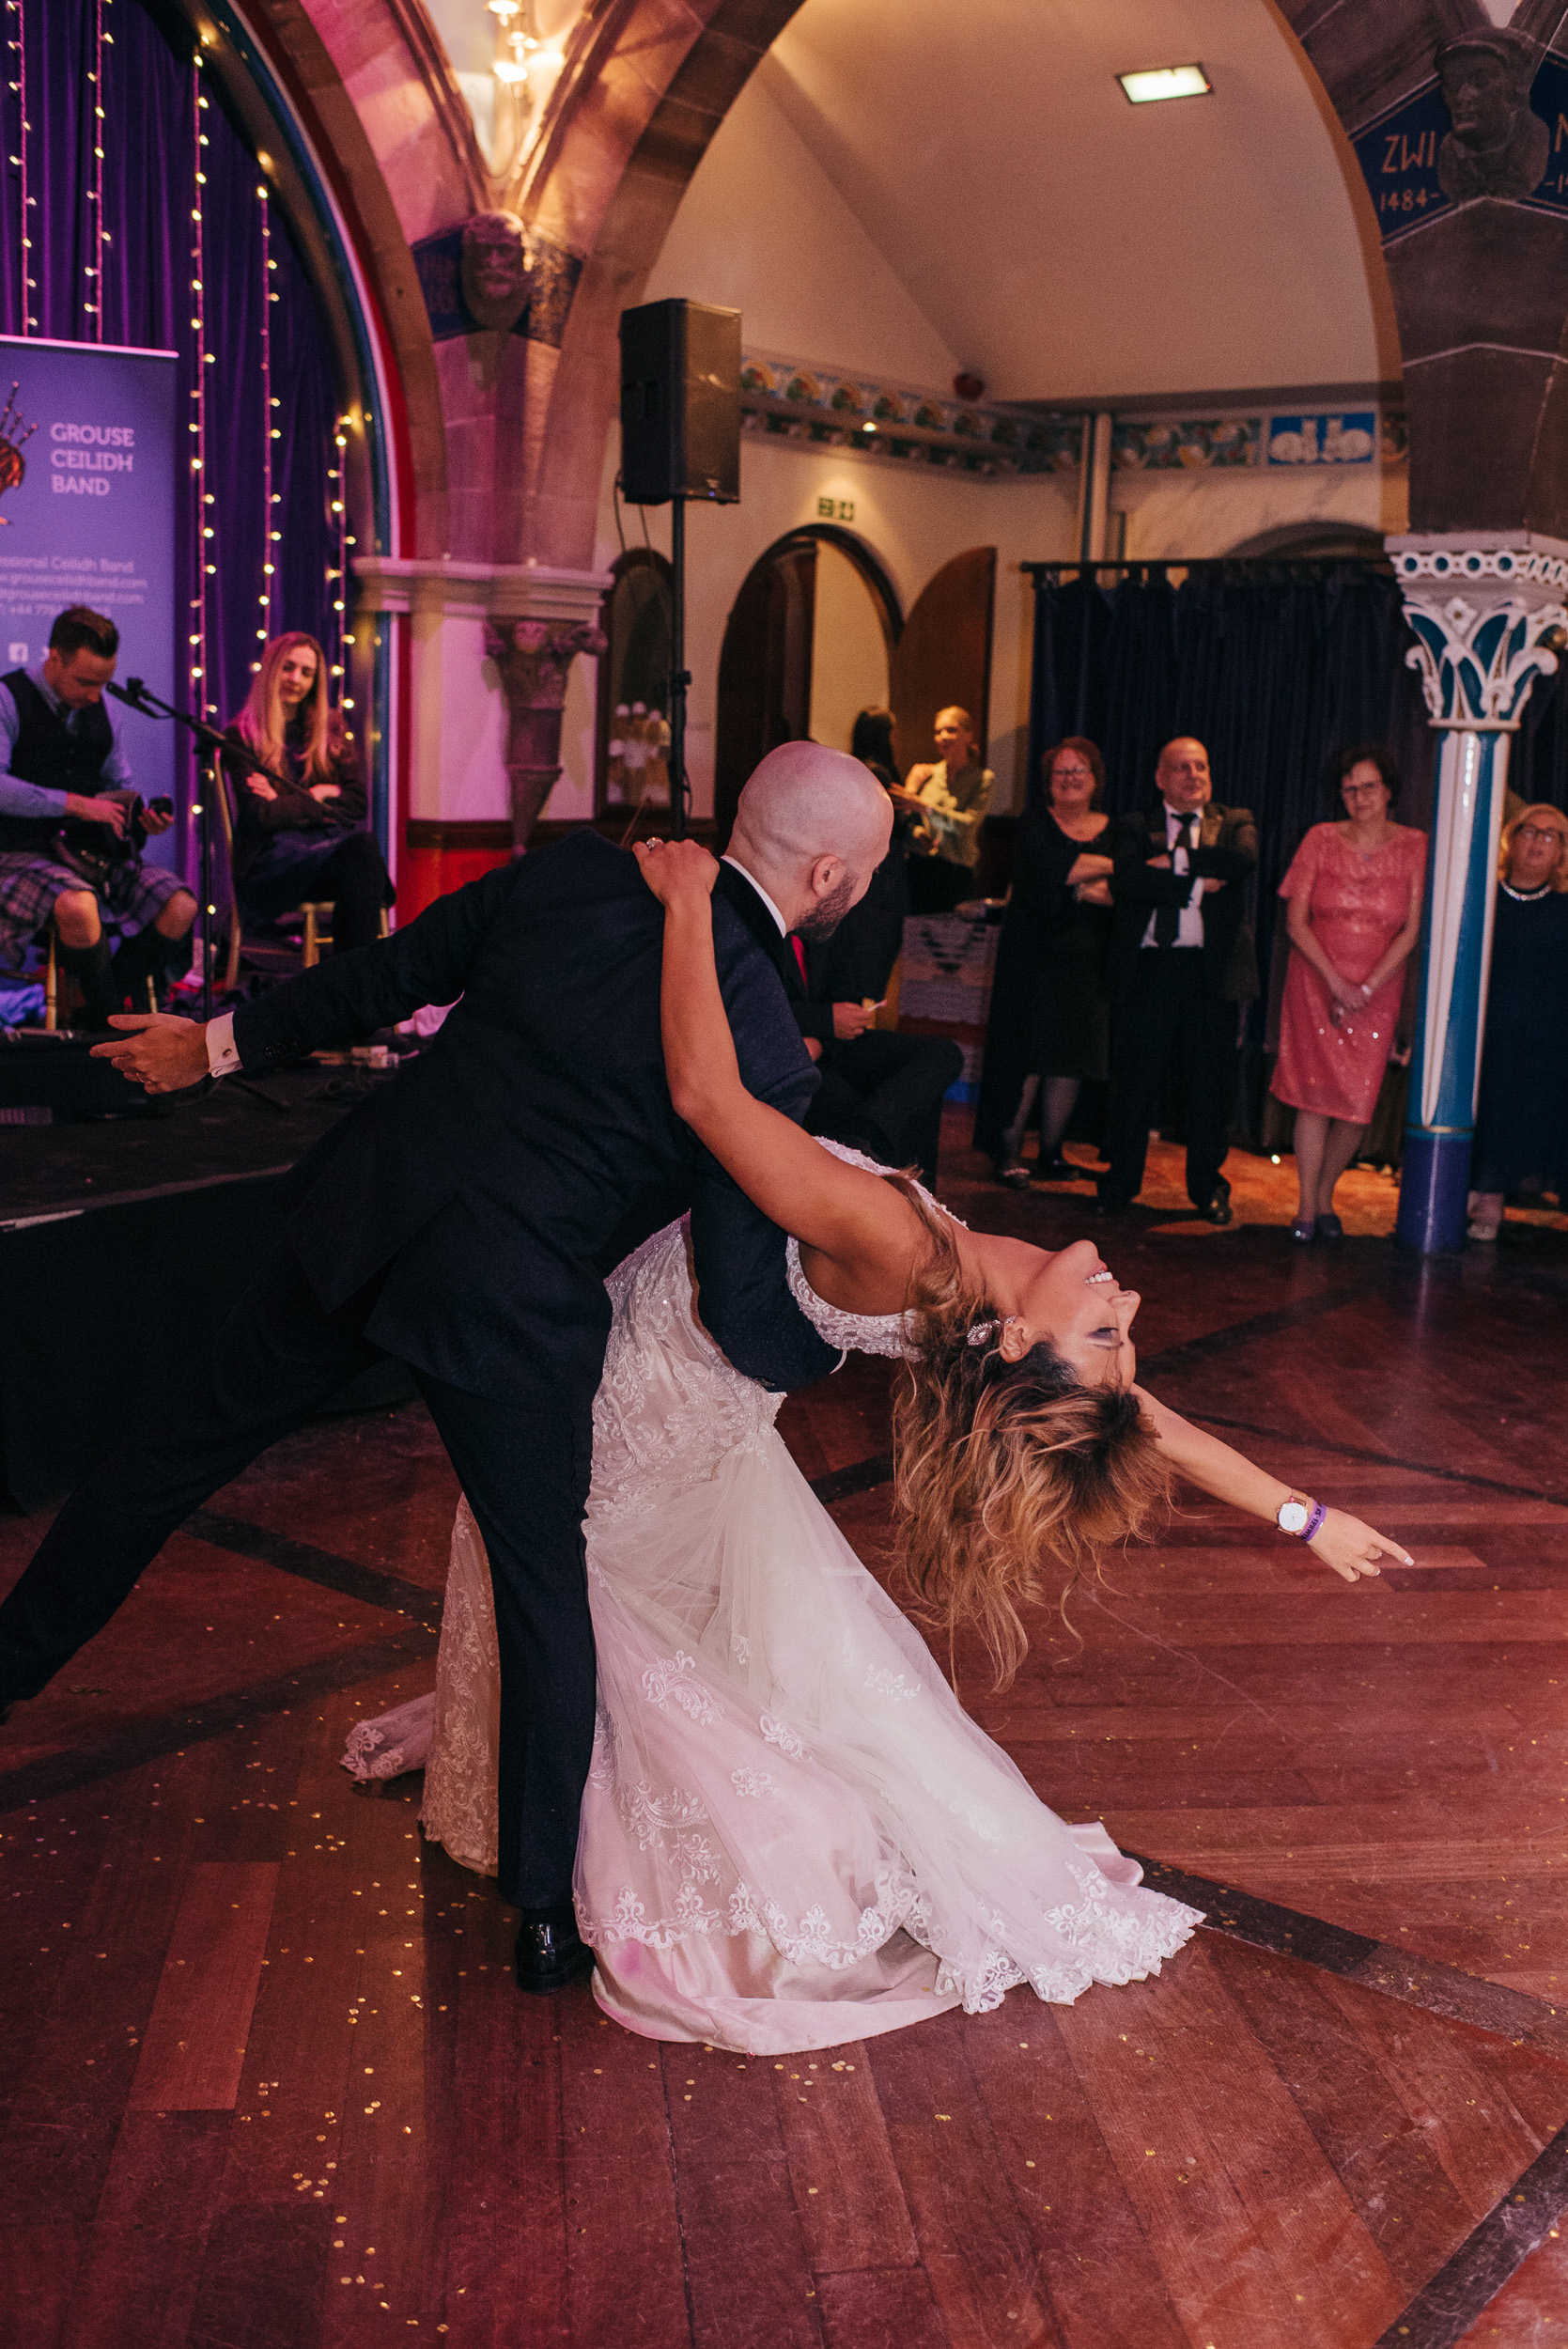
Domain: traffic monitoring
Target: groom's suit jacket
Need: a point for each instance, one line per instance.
(490, 1174)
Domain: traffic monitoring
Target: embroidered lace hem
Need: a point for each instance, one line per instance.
(1110, 1946)
(807, 1942)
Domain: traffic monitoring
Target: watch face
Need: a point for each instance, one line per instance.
(1293, 1516)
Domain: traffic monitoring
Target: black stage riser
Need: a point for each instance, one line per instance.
(122, 1246)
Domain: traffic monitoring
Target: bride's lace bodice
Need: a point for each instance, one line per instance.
(670, 1407)
(857, 1333)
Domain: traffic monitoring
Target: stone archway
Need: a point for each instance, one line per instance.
(335, 70)
(765, 664)
(1480, 291)
(630, 121)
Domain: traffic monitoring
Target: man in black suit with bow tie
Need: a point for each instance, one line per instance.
(460, 1218)
(1180, 964)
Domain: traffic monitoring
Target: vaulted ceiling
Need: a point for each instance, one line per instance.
(973, 167)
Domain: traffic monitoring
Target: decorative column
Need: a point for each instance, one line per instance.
(527, 619)
(534, 659)
(1488, 617)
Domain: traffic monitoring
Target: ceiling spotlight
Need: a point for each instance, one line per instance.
(1166, 81)
(509, 70)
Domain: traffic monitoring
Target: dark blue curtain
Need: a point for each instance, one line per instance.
(148, 132)
(1538, 768)
(1271, 670)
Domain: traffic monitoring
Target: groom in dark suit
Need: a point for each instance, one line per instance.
(1180, 964)
(454, 1219)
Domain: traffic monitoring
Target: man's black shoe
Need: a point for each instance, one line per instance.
(549, 1957)
(1219, 1208)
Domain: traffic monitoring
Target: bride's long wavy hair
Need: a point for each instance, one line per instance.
(1011, 1478)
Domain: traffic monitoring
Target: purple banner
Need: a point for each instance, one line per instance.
(88, 505)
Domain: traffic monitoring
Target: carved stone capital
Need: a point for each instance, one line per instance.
(1517, 563)
(534, 660)
(1488, 617)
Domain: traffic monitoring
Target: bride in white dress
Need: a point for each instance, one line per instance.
(792, 1834)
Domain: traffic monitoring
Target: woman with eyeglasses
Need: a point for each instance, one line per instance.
(1352, 913)
(1521, 1140)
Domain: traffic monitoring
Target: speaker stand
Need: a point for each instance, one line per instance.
(681, 676)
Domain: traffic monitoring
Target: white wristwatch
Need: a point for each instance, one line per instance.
(1300, 1516)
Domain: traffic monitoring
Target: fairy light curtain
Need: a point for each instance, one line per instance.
(111, 241)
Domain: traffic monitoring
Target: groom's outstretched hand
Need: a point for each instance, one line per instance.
(157, 1051)
(679, 872)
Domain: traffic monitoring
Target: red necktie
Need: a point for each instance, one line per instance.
(799, 946)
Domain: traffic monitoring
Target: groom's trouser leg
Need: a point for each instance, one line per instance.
(277, 1359)
(526, 1472)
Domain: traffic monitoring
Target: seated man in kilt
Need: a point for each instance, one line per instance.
(60, 764)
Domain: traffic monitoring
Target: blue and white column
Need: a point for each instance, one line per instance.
(1488, 617)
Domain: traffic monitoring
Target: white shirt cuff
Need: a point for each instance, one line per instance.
(222, 1058)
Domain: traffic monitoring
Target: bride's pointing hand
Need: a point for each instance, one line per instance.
(679, 872)
(1352, 1549)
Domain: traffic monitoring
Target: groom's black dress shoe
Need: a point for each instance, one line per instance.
(551, 1955)
(1217, 1210)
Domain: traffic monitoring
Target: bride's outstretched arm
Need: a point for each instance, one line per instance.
(1342, 1542)
(850, 1215)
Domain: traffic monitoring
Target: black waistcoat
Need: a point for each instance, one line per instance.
(48, 751)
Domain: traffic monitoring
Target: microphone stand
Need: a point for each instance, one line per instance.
(213, 746)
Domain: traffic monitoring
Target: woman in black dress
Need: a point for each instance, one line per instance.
(869, 940)
(1050, 1026)
(300, 835)
(1521, 1141)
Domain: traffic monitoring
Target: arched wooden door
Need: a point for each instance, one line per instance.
(764, 666)
(943, 654)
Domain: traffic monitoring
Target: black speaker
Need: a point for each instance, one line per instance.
(680, 403)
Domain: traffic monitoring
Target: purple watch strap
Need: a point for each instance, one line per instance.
(1319, 1513)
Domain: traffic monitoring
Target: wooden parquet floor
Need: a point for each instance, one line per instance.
(265, 2082)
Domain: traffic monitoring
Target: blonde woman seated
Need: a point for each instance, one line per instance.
(793, 1835)
(300, 835)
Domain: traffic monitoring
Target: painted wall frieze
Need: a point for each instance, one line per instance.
(815, 407)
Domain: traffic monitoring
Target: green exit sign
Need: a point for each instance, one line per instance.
(835, 509)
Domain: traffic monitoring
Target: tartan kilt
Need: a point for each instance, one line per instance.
(29, 885)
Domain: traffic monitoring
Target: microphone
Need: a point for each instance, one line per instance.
(130, 693)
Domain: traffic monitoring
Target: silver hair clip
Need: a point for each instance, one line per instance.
(982, 1334)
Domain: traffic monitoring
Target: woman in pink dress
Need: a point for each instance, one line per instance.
(1353, 912)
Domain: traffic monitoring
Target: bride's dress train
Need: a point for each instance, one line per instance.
(792, 1835)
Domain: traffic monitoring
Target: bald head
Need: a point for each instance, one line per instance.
(1183, 775)
(812, 825)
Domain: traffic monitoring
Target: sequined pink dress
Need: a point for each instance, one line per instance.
(793, 1835)
(1357, 904)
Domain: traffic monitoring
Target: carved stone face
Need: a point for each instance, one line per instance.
(495, 270)
(1482, 97)
(1497, 146)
